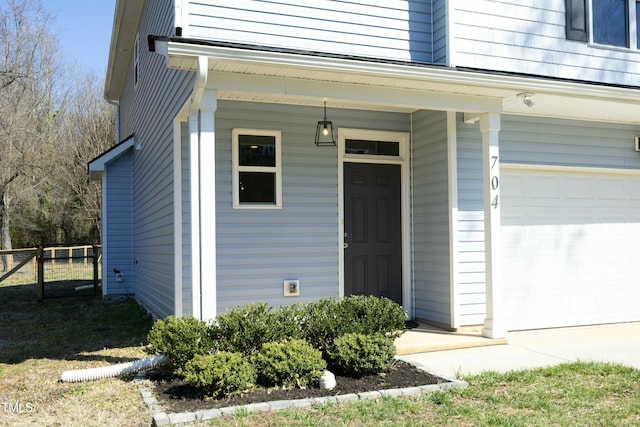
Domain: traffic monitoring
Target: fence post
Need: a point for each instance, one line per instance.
(95, 271)
(40, 262)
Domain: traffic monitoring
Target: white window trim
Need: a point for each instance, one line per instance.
(631, 33)
(237, 168)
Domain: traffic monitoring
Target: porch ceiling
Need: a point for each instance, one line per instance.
(278, 77)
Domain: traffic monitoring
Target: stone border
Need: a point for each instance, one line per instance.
(162, 418)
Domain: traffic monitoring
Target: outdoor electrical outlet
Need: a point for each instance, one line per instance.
(119, 277)
(291, 288)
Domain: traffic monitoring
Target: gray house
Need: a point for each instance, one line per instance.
(486, 166)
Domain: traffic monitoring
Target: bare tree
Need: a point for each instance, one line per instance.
(27, 92)
(89, 131)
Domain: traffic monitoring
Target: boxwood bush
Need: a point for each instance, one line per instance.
(220, 374)
(330, 318)
(180, 339)
(246, 329)
(357, 354)
(291, 363)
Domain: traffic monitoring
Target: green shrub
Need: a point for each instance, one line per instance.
(292, 363)
(180, 339)
(220, 374)
(245, 329)
(328, 319)
(357, 354)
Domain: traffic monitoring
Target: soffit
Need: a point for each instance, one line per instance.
(123, 35)
(553, 98)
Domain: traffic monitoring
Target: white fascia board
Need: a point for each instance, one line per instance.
(396, 71)
(97, 165)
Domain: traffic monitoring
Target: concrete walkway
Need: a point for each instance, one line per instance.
(618, 343)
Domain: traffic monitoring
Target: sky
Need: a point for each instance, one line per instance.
(83, 28)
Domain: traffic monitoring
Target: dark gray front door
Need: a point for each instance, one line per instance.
(373, 230)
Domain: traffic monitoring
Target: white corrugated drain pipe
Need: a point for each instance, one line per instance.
(113, 370)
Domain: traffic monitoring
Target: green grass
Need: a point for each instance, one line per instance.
(38, 341)
(574, 394)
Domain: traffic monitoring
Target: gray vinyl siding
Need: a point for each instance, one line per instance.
(471, 270)
(568, 143)
(431, 217)
(119, 213)
(440, 28)
(399, 30)
(258, 249)
(528, 36)
(147, 111)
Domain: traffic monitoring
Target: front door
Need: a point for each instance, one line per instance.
(373, 230)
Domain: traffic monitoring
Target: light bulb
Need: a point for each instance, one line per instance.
(325, 131)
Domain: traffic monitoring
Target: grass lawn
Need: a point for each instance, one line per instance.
(38, 341)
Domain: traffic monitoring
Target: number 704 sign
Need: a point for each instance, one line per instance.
(494, 182)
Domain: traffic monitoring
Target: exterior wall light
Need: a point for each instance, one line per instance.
(324, 132)
(527, 99)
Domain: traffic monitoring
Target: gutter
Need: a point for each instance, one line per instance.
(186, 47)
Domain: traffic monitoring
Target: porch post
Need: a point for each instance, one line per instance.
(494, 324)
(194, 210)
(208, 271)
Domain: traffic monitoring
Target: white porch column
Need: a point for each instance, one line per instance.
(203, 205)
(207, 196)
(194, 210)
(494, 324)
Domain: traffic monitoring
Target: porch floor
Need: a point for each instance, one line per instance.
(426, 337)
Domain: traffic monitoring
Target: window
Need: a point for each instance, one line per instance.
(611, 23)
(638, 25)
(136, 60)
(373, 148)
(257, 180)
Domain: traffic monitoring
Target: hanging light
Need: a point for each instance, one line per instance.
(324, 131)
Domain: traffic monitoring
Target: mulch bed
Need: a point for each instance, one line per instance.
(176, 396)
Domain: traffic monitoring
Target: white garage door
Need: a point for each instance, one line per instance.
(571, 247)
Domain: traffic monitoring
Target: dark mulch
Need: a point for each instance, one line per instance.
(175, 396)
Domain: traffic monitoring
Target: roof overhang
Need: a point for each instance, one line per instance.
(123, 35)
(98, 165)
(272, 75)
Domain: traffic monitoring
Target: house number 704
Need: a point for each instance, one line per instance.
(495, 182)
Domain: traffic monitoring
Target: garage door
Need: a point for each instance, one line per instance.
(571, 246)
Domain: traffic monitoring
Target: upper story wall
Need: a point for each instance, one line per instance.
(386, 29)
(529, 36)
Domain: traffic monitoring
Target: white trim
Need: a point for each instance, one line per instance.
(207, 196)
(404, 138)
(98, 165)
(194, 190)
(454, 252)
(105, 236)
(569, 169)
(237, 168)
(182, 16)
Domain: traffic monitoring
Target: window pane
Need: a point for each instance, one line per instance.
(256, 150)
(375, 148)
(610, 23)
(257, 187)
(638, 25)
